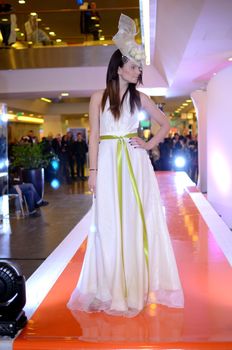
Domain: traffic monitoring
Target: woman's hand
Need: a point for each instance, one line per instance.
(92, 181)
(137, 142)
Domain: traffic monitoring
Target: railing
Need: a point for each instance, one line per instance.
(67, 27)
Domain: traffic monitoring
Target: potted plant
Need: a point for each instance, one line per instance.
(31, 159)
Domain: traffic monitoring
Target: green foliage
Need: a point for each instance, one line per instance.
(30, 156)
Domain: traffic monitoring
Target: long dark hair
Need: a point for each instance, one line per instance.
(112, 87)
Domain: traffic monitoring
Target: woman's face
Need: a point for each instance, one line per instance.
(130, 72)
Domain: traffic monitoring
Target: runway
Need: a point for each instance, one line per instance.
(203, 248)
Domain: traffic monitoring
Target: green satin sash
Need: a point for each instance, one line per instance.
(122, 145)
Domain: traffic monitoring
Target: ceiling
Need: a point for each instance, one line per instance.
(191, 40)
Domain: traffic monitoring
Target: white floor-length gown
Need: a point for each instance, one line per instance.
(129, 261)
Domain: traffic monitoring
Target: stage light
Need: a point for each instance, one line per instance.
(141, 116)
(12, 300)
(55, 184)
(179, 162)
(93, 228)
(55, 164)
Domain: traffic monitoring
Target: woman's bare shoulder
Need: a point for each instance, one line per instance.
(144, 98)
(97, 96)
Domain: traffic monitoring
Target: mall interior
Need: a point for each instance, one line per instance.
(53, 57)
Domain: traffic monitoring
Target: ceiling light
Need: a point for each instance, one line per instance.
(58, 40)
(184, 104)
(21, 2)
(17, 30)
(30, 119)
(10, 117)
(214, 73)
(64, 94)
(4, 19)
(188, 101)
(52, 33)
(33, 14)
(46, 99)
(38, 20)
(47, 28)
(230, 59)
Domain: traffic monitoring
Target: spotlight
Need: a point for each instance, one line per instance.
(12, 300)
(55, 184)
(55, 164)
(180, 162)
(141, 116)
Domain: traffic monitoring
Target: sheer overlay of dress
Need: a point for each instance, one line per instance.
(129, 261)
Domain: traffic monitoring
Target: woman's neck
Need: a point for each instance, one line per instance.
(123, 86)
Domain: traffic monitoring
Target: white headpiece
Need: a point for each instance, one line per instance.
(125, 40)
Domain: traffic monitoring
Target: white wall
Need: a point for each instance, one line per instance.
(52, 125)
(59, 124)
(219, 143)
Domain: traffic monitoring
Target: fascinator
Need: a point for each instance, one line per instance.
(124, 39)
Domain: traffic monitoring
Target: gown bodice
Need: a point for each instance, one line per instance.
(127, 123)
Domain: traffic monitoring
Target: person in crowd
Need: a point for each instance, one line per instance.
(32, 137)
(83, 24)
(57, 148)
(129, 261)
(35, 34)
(193, 149)
(80, 149)
(155, 156)
(57, 144)
(92, 19)
(67, 158)
(165, 155)
(6, 11)
(176, 145)
(28, 191)
(185, 153)
(70, 153)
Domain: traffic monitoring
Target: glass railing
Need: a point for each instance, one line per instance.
(53, 26)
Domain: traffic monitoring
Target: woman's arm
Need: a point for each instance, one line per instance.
(94, 115)
(156, 115)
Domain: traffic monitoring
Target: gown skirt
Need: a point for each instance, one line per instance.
(129, 260)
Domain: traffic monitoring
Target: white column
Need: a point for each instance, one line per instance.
(199, 98)
(219, 143)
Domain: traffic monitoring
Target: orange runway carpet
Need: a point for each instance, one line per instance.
(206, 275)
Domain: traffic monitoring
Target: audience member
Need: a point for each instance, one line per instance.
(80, 149)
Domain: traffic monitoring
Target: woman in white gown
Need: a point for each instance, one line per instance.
(129, 261)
